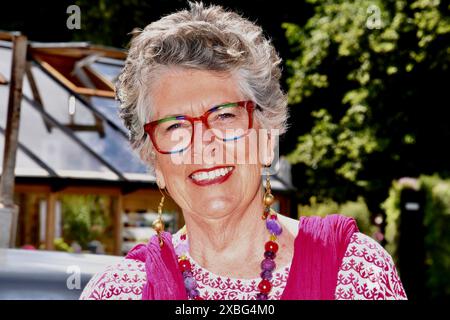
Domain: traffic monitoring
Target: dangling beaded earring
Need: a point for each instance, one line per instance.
(271, 247)
(269, 214)
(269, 199)
(158, 224)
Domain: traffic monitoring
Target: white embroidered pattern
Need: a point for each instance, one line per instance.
(367, 272)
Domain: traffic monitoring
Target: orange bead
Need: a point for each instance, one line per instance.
(269, 199)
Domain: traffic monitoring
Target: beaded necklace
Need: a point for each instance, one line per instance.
(267, 264)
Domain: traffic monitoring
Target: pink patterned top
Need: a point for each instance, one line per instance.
(367, 272)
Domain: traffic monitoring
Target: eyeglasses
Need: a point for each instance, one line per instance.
(229, 121)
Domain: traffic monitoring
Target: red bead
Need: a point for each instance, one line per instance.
(198, 298)
(184, 265)
(273, 216)
(183, 237)
(264, 286)
(271, 246)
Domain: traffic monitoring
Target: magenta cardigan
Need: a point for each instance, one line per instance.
(318, 252)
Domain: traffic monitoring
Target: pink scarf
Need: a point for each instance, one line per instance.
(318, 252)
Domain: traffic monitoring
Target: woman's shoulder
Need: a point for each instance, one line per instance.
(316, 224)
(368, 272)
(121, 281)
(366, 249)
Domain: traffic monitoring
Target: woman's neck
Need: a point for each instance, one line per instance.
(227, 242)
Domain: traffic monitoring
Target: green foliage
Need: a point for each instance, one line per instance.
(357, 65)
(328, 143)
(118, 18)
(85, 218)
(437, 239)
(61, 245)
(108, 14)
(355, 209)
(436, 222)
(391, 207)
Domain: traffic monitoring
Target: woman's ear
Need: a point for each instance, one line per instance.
(160, 181)
(268, 148)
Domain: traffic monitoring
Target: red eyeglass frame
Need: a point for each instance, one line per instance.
(149, 128)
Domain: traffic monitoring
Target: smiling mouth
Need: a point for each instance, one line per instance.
(211, 176)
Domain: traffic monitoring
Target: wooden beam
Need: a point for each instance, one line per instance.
(27, 219)
(50, 219)
(84, 127)
(80, 51)
(117, 208)
(55, 73)
(8, 210)
(21, 222)
(13, 120)
(31, 188)
(8, 36)
(91, 190)
(35, 92)
(68, 84)
(99, 81)
(95, 92)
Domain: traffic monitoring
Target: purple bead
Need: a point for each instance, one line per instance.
(273, 226)
(269, 255)
(187, 274)
(268, 264)
(193, 293)
(262, 296)
(190, 283)
(266, 274)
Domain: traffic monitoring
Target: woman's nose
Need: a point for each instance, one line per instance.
(202, 140)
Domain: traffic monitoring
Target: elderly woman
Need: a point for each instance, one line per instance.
(195, 85)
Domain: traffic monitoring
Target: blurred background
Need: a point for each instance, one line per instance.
(369, 129)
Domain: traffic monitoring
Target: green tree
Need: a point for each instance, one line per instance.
(373, 77)
(85, 218)
(108, 21)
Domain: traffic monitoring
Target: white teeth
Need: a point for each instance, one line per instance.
(211, 174)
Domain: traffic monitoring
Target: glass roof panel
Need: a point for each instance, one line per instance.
(115, 149)
(55, 148)
(109, 71)
(22, 160)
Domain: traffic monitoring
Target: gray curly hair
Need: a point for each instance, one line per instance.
(203, 38)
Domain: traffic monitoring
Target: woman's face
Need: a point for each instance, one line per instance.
(193, 92)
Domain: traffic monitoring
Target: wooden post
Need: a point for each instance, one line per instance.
(117, 204)
(8, 214)
(50, 221)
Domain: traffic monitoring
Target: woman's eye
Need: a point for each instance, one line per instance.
(173, 126)
(224, 116)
